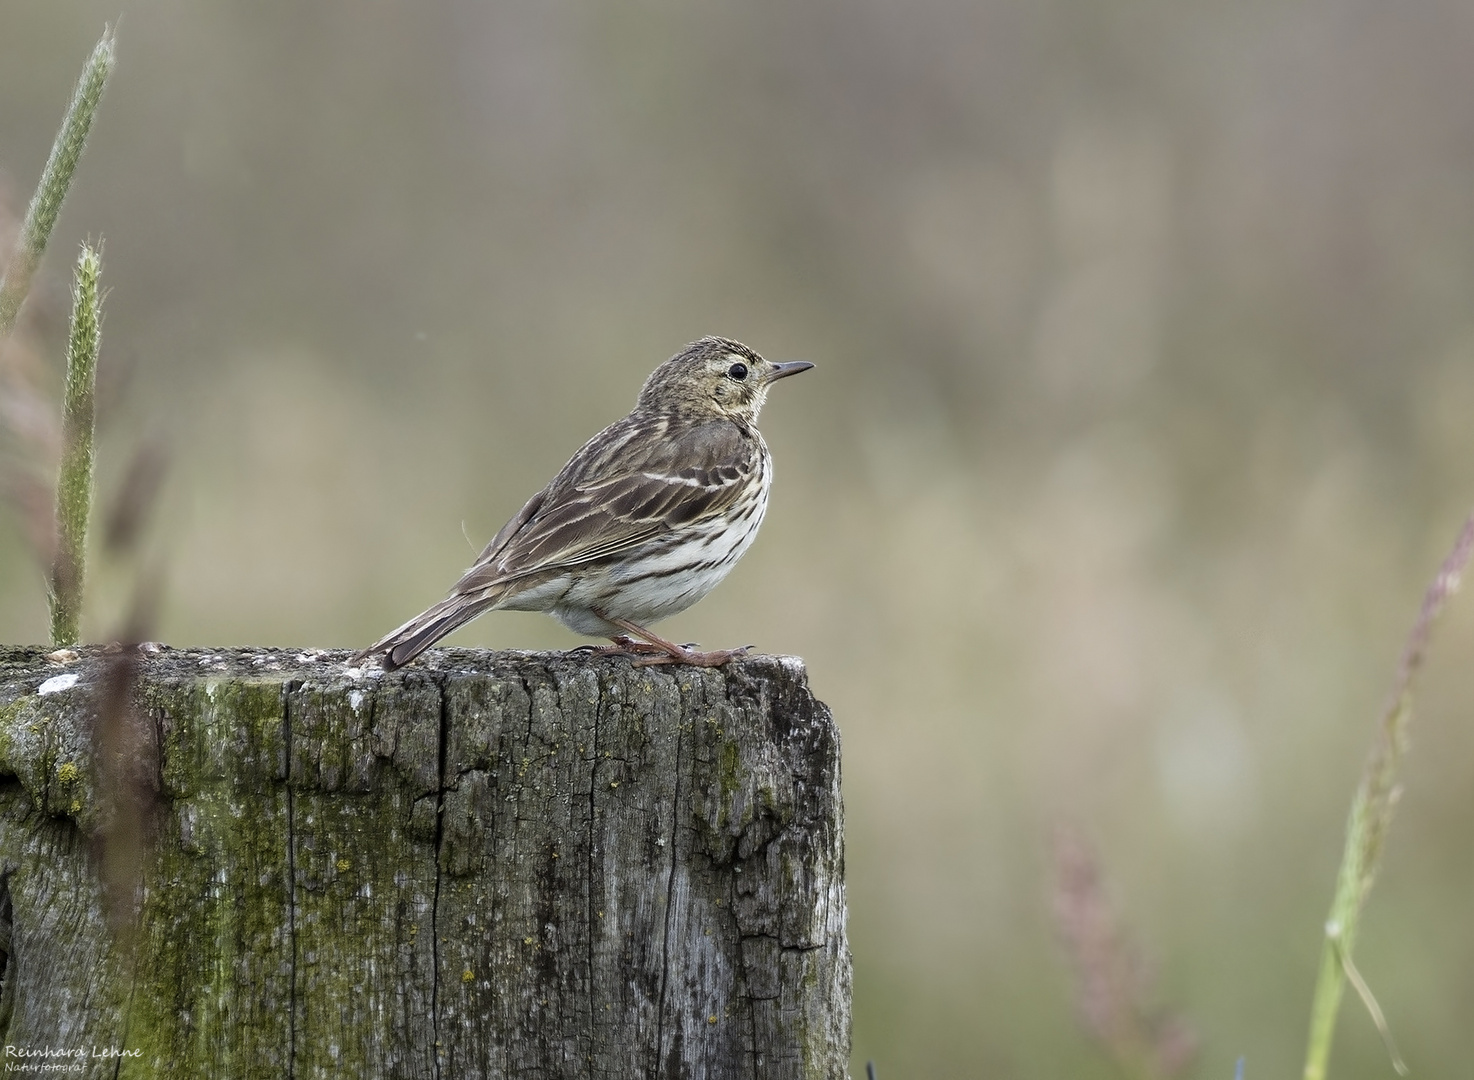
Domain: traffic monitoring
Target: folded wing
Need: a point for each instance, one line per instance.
(617, 493)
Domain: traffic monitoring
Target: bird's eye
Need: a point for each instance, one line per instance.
(738, 371)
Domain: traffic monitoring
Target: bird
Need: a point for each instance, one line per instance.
(645, 520)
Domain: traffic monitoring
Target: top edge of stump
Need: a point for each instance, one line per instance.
(28, 669)
(155, 661)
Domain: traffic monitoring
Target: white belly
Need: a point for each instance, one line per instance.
(666, 577)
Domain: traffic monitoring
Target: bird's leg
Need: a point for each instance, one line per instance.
(668, 652)
(623, 646)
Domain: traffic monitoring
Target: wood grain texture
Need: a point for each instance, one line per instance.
(484, 865)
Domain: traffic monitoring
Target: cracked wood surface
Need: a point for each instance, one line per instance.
(484, 865)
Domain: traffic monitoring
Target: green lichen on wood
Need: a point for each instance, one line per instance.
(364, 877)
(45, 860)
(216, 922)
(217, 911)
(38, 737)
(217, 729)
(11, 737)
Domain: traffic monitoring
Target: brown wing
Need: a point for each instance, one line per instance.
(629, 484)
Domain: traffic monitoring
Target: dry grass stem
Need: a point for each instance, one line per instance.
(1371, 816)
(1114, 985)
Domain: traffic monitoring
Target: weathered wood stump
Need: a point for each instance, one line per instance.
(485, 865)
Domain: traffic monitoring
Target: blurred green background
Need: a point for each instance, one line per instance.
(1144, 410)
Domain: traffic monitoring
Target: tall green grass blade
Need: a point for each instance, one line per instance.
(74, 480)
(56, 179)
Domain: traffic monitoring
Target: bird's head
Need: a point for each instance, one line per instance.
(714, 377)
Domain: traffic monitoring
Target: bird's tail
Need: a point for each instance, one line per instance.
(400, 646)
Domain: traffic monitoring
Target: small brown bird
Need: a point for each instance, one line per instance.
(644, 521)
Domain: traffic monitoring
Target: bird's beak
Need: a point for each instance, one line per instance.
(793, 367)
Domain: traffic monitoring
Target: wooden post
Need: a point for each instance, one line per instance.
(484, 865)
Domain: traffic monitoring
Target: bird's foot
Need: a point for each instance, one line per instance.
(686, 654)
(654, 649)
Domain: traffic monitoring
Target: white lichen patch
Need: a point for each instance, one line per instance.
(794, 665)
(57, 683)
(355, 699)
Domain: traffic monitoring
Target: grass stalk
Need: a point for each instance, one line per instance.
(74, 479)
(56, 179)
(1371, 815)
